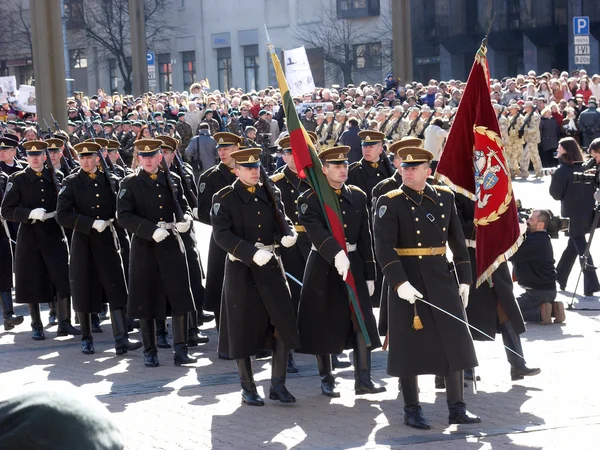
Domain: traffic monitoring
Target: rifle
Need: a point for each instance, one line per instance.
(172, 188)
(413, 125)
(62, 155)
(189, 194)
(526, 122)
(422, 134)
(69, 154)
(282, 224)
(394, 129)
(104, 166)
(513, 122)
(52, 171)
(385, 122)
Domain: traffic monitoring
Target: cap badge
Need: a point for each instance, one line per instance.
(341, 156)
(221, 141)
(33, 148)
(409, 157)
(146, 148)
(85, 149)
(251, 159)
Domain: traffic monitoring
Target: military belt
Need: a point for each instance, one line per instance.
(300, 228)
(431, 251)
(349, 247)
(171, 226)
(258, 245)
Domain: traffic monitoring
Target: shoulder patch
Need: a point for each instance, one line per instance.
(62, 189)
(216, 208)
(276, 177)
(382, 210)
(201, 187)
(122, 192)
(303, 208)
(394, 193)
(9, 186)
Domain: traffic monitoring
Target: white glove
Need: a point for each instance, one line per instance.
(407, 292)
(463, 291)
(160, 234)
(522, 228)
(100, 225)
(597, 195)
(289, 241)
(342, 264)
(184, 226)
(195, 213)
(37, 214)
(261, 257)
(371, 287)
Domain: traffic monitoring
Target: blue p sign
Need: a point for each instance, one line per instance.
(581, 26)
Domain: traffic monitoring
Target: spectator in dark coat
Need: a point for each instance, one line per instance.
(202, 151)
(351, 138)
(576, 203)
(589, 123)
(550, 134)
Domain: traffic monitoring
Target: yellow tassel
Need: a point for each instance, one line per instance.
(417, 325)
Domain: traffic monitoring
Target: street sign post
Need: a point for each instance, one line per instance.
(581, 39)
(151, 61)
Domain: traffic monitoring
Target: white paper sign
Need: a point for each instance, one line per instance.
(26, 98)
(297, 72)
(8, 85)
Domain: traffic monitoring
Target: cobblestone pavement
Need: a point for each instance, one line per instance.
(199, 407)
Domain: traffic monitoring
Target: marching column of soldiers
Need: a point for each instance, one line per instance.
(87, 231)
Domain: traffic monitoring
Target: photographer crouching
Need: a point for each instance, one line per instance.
(534, 270)
(576, 198)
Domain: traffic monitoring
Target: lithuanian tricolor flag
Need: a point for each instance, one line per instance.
(309, 167)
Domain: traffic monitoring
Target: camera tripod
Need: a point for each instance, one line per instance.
(585, 265)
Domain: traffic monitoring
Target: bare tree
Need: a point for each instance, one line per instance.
(106, 23)
(14, 20)
(337, 37)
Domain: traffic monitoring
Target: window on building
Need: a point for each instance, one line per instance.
(189, 68)
(352, 9)
(74, 13)
(165, 72)
(367, 56)
(3, 69)
(112, 75)
(224, 68)
(78, 59)
(251, 67)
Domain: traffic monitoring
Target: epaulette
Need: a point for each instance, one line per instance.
(276, 177)
(355, 188)
(442, 188)
(71, 176)
(394, 193)
(225, 191)
(354, 165)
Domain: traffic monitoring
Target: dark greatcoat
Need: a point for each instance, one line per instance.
(444, 344)
(256, 299)
(324, 318)
(294, 258)
(96, 271)
(41, 257)
(382, 188)
(157, 271)
(6, 259)
(211, 182)
(484, 301)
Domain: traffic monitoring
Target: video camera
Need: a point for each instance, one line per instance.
(556, 225)
(591, 176)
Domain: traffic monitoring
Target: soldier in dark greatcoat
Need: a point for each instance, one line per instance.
(211, 182)
(492, 306)
(87, 204)
(158, 267)
(9, 319)
(413, 226)
(325, 321)
(294, 258)
(41, 256)
(257, 310)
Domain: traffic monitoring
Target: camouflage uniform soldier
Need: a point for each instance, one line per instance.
(184, 129)
(531, 134)
(514, 147)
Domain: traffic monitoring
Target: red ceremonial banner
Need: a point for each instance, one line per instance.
(473, 164)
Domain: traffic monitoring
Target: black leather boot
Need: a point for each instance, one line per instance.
(204, 317)
(195, 337)
(279, 363)
(518, 369)
(148, 329)
(337, 364)
(161, 334)
(413, 414)
(455, 396)
(87, 341)
(363, 384)
(96, 328)
(37, 329)
(52, 313)
(103, 312)
(263, 354)
(249, 393)
(132, 324)
(469, 373)
(63, 311)
(291, 364)
(327, 379)
(8, 315)
(122, 342)
(180, 336)
(439, 382)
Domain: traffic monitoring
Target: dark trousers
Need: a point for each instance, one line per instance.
(531, 300)
(576, 247)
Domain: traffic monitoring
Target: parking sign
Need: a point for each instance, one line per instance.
(581, 25)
